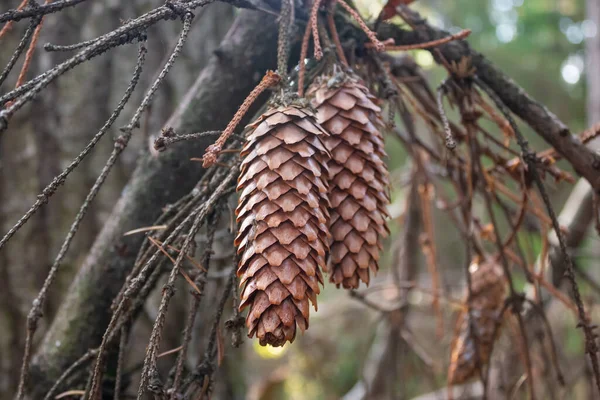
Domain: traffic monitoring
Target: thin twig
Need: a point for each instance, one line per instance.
(303, 55)
(336, 38)
(168, 290)
(28, 12)
(38, 304)
(529, 157)
(69, 47)
(426, 45)
(168, 137)
(210, 156)
(379, 46)
(19, 50)
(286, 24)
(120, 361)
(30, 51)
(450, 142)
(194, 305)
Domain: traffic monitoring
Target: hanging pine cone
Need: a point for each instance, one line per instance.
(359, 177)
(283, 214)
(487, 302)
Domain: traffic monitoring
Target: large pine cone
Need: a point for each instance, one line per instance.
(359, 177)
(283, 214)
(488, 289)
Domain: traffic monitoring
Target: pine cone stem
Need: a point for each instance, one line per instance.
(379, 46)
(313, 22)
(212, 152)
(303, 55)
(336, 38)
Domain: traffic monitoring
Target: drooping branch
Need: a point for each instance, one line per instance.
(536, 115)
(156, 182)
(28, 12)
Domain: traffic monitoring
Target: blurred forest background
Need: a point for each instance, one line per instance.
(541, 44)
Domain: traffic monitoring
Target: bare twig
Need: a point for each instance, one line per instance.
(531, 160)
(210, 156)
(194, 305)
(38, 304)
(544, 122)
(124, 34)
(28, 12)
(19, 50)
(168, 292)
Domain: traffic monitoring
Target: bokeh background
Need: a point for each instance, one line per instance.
(541, 44)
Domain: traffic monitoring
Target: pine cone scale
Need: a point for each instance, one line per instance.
(283, 234)
(358, 177)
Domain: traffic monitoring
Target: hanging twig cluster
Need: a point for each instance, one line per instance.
(313, 195)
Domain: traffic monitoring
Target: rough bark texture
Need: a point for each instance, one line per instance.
(156, 181)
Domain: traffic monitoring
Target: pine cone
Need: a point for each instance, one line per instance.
(359, 178)
(283, 214)
(487, 301)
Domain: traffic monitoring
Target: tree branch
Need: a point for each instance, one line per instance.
(585, 161)
(156, 182)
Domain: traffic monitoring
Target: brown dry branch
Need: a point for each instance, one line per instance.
(534, 114)
(463, 34)
(336, 38)
(370, 34)
(30, 51)
(591, 346)
(212, 152)
(477, 177)
(303, 55)
(313, 22)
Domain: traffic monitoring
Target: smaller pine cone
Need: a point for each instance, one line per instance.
(487, 302)
(283, 212)
(359, 177)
